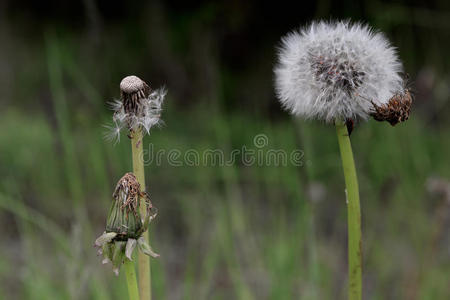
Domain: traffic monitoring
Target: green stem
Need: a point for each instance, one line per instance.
(353, 213)
(137, 140)
(130, 273)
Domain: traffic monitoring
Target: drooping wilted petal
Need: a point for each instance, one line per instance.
(106, 237)
(108, 251)
(131, 244)
(145, 248)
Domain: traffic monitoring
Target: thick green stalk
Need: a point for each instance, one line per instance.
(130, 273)
(145, 287)
(353, 214)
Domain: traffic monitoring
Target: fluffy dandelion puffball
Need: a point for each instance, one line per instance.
(336, 70)
(139, 106)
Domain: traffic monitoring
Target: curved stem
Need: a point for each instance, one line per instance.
(353, 213)
(130, 273)
(138, 170)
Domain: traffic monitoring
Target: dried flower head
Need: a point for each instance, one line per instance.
(132, 90)
(125, 225)
(396, 110)
(139, 106)
(334, 70)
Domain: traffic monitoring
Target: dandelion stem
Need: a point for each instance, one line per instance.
(130, 273)
(353, 213)
(138, 170)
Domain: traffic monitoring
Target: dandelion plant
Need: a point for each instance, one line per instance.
(338, 72)
(124, 229)
(138, 110)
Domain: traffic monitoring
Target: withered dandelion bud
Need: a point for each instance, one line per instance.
(396, 110)
(125, 225)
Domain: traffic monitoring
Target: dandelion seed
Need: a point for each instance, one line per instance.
(336, 70)
(112, 133)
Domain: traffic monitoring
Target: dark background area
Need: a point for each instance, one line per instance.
(234, 232)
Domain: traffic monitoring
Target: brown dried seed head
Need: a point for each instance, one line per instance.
(396, 110)
(132, 89)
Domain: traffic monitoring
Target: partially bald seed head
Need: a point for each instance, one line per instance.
(131, 84)
(132, 90)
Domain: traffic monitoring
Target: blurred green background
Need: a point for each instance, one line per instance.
(232, 232)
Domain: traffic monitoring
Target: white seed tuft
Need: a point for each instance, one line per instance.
(152, 110)
(333, 70)
(112, 133)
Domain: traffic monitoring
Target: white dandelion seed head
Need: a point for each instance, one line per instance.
(333, 70)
